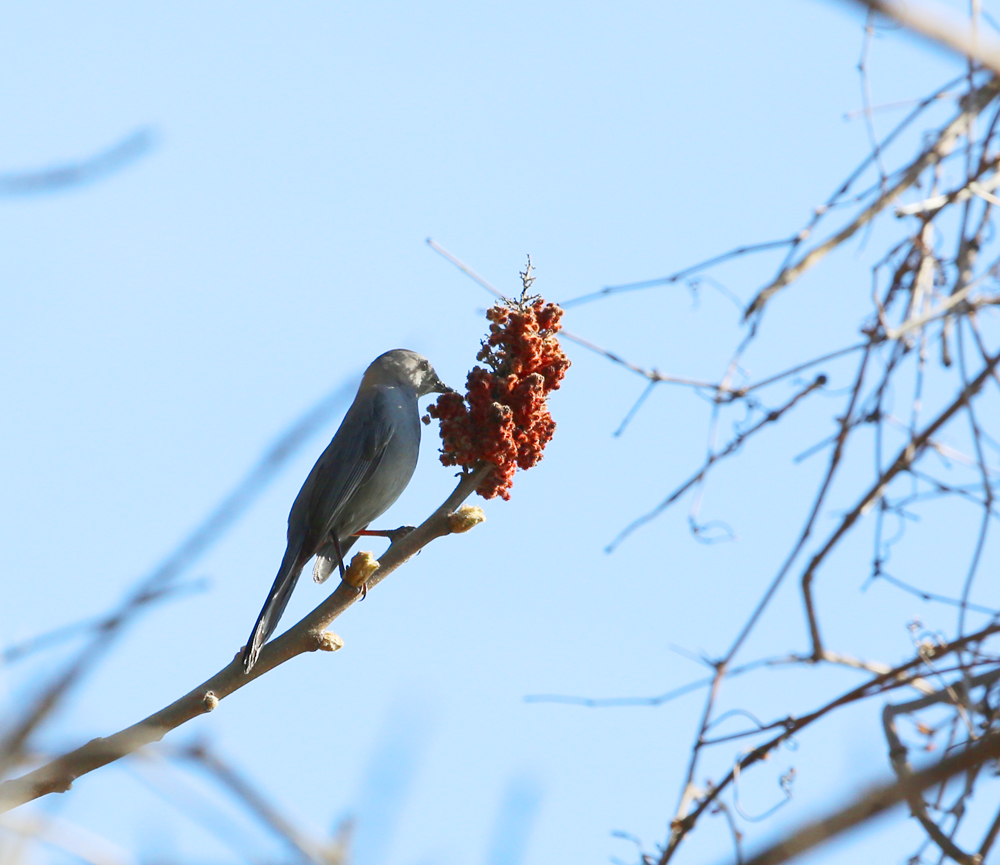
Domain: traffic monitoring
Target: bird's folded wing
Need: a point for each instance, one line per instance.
(349, 470)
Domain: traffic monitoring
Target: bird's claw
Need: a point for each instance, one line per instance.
(400, 533)
(392, 534)
(362, 566)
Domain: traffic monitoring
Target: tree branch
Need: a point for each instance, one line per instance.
(906, 457)
(946, 140)
(878, 801)
(308, 635)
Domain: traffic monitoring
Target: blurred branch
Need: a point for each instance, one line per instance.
(176, 787)
(308, 635)
(131, 148)
(942, 27)
(78, 843)
(40, 642)
(322, 852)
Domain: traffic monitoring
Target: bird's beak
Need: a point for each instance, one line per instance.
(441, 387)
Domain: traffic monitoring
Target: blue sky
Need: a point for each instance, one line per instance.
(162, 327)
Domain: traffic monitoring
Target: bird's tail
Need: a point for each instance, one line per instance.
(274, 606)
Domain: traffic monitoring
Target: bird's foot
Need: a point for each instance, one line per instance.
(362, 566)
(392, 534)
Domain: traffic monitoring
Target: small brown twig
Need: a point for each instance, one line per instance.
(732, 447)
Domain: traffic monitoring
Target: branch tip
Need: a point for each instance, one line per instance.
(465, 518)
(328, 641)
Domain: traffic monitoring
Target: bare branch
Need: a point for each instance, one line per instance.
(945, 142)
(910, 452)
(308, 635)
(731, 448)
(462, 266)
(877, 802)
(738, 252)
(896, 677)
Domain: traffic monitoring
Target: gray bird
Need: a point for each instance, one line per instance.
(361, 473)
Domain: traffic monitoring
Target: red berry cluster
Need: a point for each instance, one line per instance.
(503, 419)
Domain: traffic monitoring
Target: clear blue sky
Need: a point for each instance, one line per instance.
(161, 327)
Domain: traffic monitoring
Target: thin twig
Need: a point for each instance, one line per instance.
(731, 448)
(902, 462)
(877, 802)
(677, 276)
(945, 142)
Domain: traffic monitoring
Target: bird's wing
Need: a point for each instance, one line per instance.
(343, 471)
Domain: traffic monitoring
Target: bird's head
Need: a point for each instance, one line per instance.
(401, 366)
